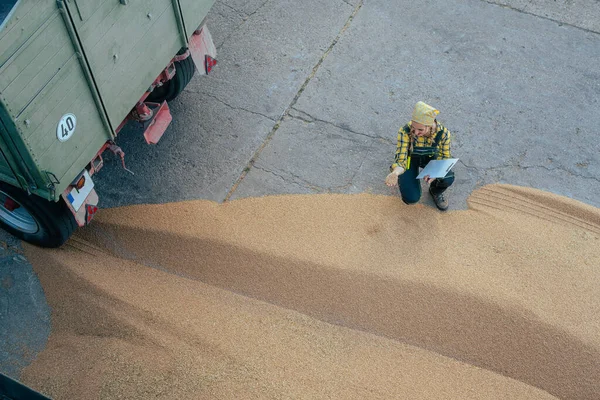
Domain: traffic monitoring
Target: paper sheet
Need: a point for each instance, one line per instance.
(438, 168)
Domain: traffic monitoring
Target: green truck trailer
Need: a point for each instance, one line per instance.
(72, 74)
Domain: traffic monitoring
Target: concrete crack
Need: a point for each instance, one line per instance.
(293, 102)
(240, 13)
(344, 1)
(468, 166)
(560, 23)
(560, 169)
(221, 14)
(357, 170)
(526, 167)
(245, 18)
(258, 9)
(304, 116)
(303, 183)
(301, 115)
(234, 107)
(320, 62)
(592, 178)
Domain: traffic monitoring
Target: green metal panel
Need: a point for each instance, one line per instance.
(18, 158)
(6, 171)
(94, 59)
(84, 9)
(194, 12)
(41, 81)
(126, 46)
(26, 20)
(40, 47)
(69, 94)
(35, 65)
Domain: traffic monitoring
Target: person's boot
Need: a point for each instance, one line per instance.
(440, 200)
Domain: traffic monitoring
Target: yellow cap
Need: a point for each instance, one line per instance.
(424, 114)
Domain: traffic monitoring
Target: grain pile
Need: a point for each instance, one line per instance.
(328, 296)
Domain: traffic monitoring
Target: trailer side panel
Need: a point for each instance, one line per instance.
(126, 46)
(194, 12)
(41, 83)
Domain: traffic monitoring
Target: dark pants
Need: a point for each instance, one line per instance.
(410, 186)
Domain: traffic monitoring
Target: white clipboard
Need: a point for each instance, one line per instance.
(438, 168)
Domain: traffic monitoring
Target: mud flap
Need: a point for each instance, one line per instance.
(202, 49)
(158, 124)
(83, 209)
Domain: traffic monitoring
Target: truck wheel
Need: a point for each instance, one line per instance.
(33, 219)
(184, 71)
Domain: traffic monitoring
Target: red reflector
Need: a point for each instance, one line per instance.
(90, 211)
(10, 204)
(80, 183)
(210, 63)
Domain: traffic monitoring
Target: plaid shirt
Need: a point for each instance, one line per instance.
(422, 141)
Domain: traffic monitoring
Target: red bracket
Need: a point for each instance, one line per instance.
(159, 122)
(142, 112)
(119, 152)
(98, 162)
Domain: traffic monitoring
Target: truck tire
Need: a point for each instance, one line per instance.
(184, 71)
(34, 219)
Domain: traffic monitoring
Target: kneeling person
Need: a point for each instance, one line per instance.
(421, 140)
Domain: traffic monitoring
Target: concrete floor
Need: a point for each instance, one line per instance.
(307, 98)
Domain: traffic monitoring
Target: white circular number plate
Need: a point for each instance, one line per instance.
(66, 127)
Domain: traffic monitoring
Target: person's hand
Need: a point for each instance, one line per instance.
(428, 179)
(392, 178)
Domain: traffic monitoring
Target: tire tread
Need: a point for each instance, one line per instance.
(56, 221)
(184, 72)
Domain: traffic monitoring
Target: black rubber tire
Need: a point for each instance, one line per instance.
(55, 221)
(184, 72)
